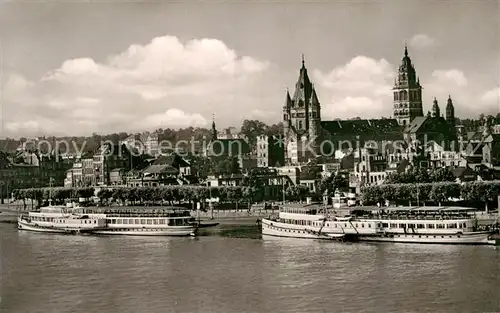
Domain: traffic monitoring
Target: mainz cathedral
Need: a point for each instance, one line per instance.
(306, 135)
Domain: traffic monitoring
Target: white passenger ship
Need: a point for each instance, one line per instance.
(312, 221)
(439, 225)
(144, 221)
(59, 219)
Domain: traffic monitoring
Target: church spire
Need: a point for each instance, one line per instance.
(214, 129)
(302, 87)
(288, 100)
(406, 49)
(435, 108)
(450, 111)
(314, 98)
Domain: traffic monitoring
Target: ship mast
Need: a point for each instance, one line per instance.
(50, 191)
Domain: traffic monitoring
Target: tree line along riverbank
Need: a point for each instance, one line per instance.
(239, 197)
(477, 193)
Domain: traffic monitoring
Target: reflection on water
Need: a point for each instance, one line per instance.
(228, 273)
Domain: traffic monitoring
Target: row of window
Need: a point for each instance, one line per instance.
(423, 226)
(383, 225)
(403, 95)
(148, 221)
(299, 211)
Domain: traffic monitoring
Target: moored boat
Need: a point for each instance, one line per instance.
(59, 219)
(437, 225)
(312, 221)
(170, 221)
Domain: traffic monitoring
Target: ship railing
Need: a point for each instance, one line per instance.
(413, 217)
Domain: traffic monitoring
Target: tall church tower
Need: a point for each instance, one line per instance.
(407, 92)
(301, 118)
(214, 129)
(450, 112)
(436, 112)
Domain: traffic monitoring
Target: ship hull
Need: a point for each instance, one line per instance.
(27, 226)
(176, 232)
(276, 229)
(475, 238)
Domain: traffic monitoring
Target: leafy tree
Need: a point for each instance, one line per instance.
(274, 130)
(442, 174)
(333, 182)
(251, 129)
(228, 166)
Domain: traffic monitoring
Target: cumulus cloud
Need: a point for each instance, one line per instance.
(361, 87)
(447, 77)
(421, 41)
(264, 114)
(176, 118)
(491, 96)
(443, 83)
(164, 83)
(363, 107)
(490, 100)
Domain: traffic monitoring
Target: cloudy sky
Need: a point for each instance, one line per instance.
(78, 68)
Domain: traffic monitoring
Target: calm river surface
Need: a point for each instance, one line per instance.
(58, 273)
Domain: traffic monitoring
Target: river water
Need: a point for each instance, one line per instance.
(240, 272)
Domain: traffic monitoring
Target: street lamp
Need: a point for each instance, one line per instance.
(1, 191)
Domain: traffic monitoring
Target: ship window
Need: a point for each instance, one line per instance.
(143, 221)
(420, 226)
(155, 222)
(385, 225)
(402, 226)
(113, 221)
(118, 221)
(150, 221)
(136, 221)
(362, 225)
(430, 225)
(369, 225)
(356, 225)
(394, 225)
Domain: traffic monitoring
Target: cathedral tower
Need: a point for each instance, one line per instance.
(450, 112)
(214, 129)
(436, 112)
(407, 92)
(301, 117)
